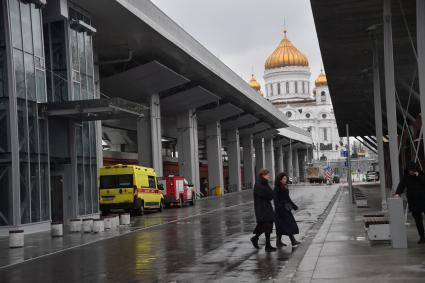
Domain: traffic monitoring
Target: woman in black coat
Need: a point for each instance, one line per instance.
(284, 220)
(414, 181)
(263, 195)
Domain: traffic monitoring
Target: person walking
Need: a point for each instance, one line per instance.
(263, 195)
(414, 183)
(284, 220)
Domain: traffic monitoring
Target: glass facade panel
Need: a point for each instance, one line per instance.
(40, 82)
(95, 188)
(81, 201)
(44, 192)
(85, 137)
(35, 192)
(30, 88)
(3, 62)
(22, 126)
(55, 48)
(4, 140)
(30, 76)
(18, 59)
(87, 189)
(24, 193)
(15, 18)
(33, 129)
(6, 199)
(26, 27)
(37, 34)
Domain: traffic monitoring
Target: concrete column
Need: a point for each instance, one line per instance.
(144, 143)
(248, 161)
(214, 155)
(269, 156)
(378, 124)
(156, 134)
(390, 94)
(149, 137)
(420, 41)
(289, 160)
(187, 146)
(279, 158)
(296, 166)
(234, 154)
(260, 159)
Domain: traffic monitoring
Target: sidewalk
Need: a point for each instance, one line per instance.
(340, 252)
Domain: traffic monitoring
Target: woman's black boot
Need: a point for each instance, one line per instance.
(279, 242)
(294, 242)
(269, 247)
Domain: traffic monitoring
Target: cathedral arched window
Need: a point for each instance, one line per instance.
(289, 114)
(303, 83)
(271, 89)
(296, 87)
(308, 115)
(278, 88)
(323, 96)
(287, 87)
(324, 116)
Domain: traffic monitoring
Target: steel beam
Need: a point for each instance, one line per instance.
(390, 94)
(420, 41)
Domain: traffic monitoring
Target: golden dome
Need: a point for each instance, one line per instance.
(286, 54)
(321, 80)
(254, 84)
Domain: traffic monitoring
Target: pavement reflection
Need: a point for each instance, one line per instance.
(205, 243)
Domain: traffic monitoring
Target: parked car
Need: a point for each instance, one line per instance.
(372, 176)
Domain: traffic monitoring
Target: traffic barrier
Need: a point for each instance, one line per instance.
(88, 225)
(98, 226)
(57, 229)
(75, 225)
(125, 219)
(16, 238)
(107, 220)
(115, 221)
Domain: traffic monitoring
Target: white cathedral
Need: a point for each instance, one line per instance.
(287, 86)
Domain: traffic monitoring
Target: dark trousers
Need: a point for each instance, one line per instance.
(417, 215)
(263, 227)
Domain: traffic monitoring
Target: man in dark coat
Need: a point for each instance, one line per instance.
(263, 195)
(414, 181)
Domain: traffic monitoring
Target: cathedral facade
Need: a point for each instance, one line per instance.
(309, 107)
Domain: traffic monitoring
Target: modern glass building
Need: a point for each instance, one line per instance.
(48, 166)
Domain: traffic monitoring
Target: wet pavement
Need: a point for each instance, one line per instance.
(340, 252)
(205, 243)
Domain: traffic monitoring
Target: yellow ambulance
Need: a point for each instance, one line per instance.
(129, 187)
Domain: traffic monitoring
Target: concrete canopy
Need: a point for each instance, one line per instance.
(238, 122)
(144, 29)
(191, 98)
(343, 29)
(138, 83)
(218, 113)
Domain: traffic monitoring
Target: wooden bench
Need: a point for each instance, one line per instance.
(377, 227)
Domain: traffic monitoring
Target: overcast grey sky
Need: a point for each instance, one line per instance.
(243, 33)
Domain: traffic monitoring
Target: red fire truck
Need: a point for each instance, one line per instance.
(177, 191)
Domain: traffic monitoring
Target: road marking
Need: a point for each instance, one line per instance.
(124, 233)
